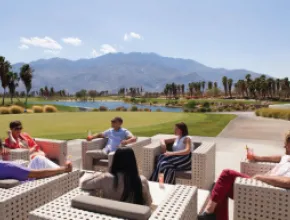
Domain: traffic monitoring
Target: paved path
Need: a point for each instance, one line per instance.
(249, 126)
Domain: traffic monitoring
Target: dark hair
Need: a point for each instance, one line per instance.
(124, 163)
(183, 127)
(15, 124)
(287, 140)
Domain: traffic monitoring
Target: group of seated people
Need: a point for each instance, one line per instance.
(123, 183)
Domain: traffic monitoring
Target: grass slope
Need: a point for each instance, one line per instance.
(76, 124)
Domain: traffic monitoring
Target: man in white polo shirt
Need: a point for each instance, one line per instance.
(117, 136)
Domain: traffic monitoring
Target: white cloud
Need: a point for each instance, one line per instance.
(23, 47)
(132, 35)
(45, 42)
(95, 53)
(104, 49)
(72, 40)
(53, 52)
(107, 48)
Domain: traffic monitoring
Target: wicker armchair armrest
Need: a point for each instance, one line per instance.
(181, 203)
(149, 154)
(253, 168)
(98, 143)
(18, 154)
(257, 200)
(203, 165)
(53, 149)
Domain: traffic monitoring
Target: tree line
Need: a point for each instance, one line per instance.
(10, 79)
(132, 91)
(258, 88)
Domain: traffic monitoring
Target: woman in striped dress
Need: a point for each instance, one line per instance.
(177, 159)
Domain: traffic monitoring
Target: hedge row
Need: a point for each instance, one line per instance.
(15, 109)
(274, 113)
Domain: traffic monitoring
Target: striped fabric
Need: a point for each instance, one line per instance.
(169, 165)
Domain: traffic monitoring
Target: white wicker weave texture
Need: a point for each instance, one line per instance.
(180, 204)
(17, 202)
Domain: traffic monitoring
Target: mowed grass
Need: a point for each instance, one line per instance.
(75, 125)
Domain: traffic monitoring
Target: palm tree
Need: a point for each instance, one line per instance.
(278, 85)
(209, 85)
(225, 84)
(182, 89)
(190, 88)
(13, 80)
(51, 91)
(5, 67)
(26, 77)
(215, 85)
(203, 86)
(230, 84)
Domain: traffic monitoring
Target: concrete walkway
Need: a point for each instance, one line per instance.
(248, 126)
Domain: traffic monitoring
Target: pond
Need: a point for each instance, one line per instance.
(109, 105)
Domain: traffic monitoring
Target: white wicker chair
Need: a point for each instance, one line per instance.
(55, 150)
(17, 202)
(202, 173)
(180, 204)
(103, 165)
(255, 200)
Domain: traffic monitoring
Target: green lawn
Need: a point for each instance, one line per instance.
(76, 124)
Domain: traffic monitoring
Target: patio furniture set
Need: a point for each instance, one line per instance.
(60, 197)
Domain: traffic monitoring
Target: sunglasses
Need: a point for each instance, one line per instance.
(17, 129)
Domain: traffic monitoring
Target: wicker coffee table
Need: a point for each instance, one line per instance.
(171, 202)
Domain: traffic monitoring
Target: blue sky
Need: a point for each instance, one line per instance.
(251, 34)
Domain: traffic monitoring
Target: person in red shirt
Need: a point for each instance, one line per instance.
(17, 139)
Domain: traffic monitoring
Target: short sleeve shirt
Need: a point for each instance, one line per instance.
(24, 140)
(115, 138)
(10, 170)
(283, 168)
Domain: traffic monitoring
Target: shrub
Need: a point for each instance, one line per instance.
(103, 109)
(202, 110)
(95, 110)
(158, 110)
(37, 109)
(14, 109)
(4, 110)
(191, 104)
(140, 110)
(143, 101)
(206, 105)
(124, 109)
(146, 109)
(155, 102)
(29, 111)
(49, 109)
(275, 113)
(134, 108)
(185, 110)
(119, 108)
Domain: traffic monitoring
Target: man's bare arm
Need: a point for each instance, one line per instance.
(270, 159)
(278, 181)
(39, 174)
(131, 139)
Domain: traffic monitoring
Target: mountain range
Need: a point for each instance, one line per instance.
(113, 71)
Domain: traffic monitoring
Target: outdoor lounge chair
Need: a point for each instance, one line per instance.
(90, 164)
(202, 173)
(55, 150)
(16, 202)
(256, 200)
(180, 203)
